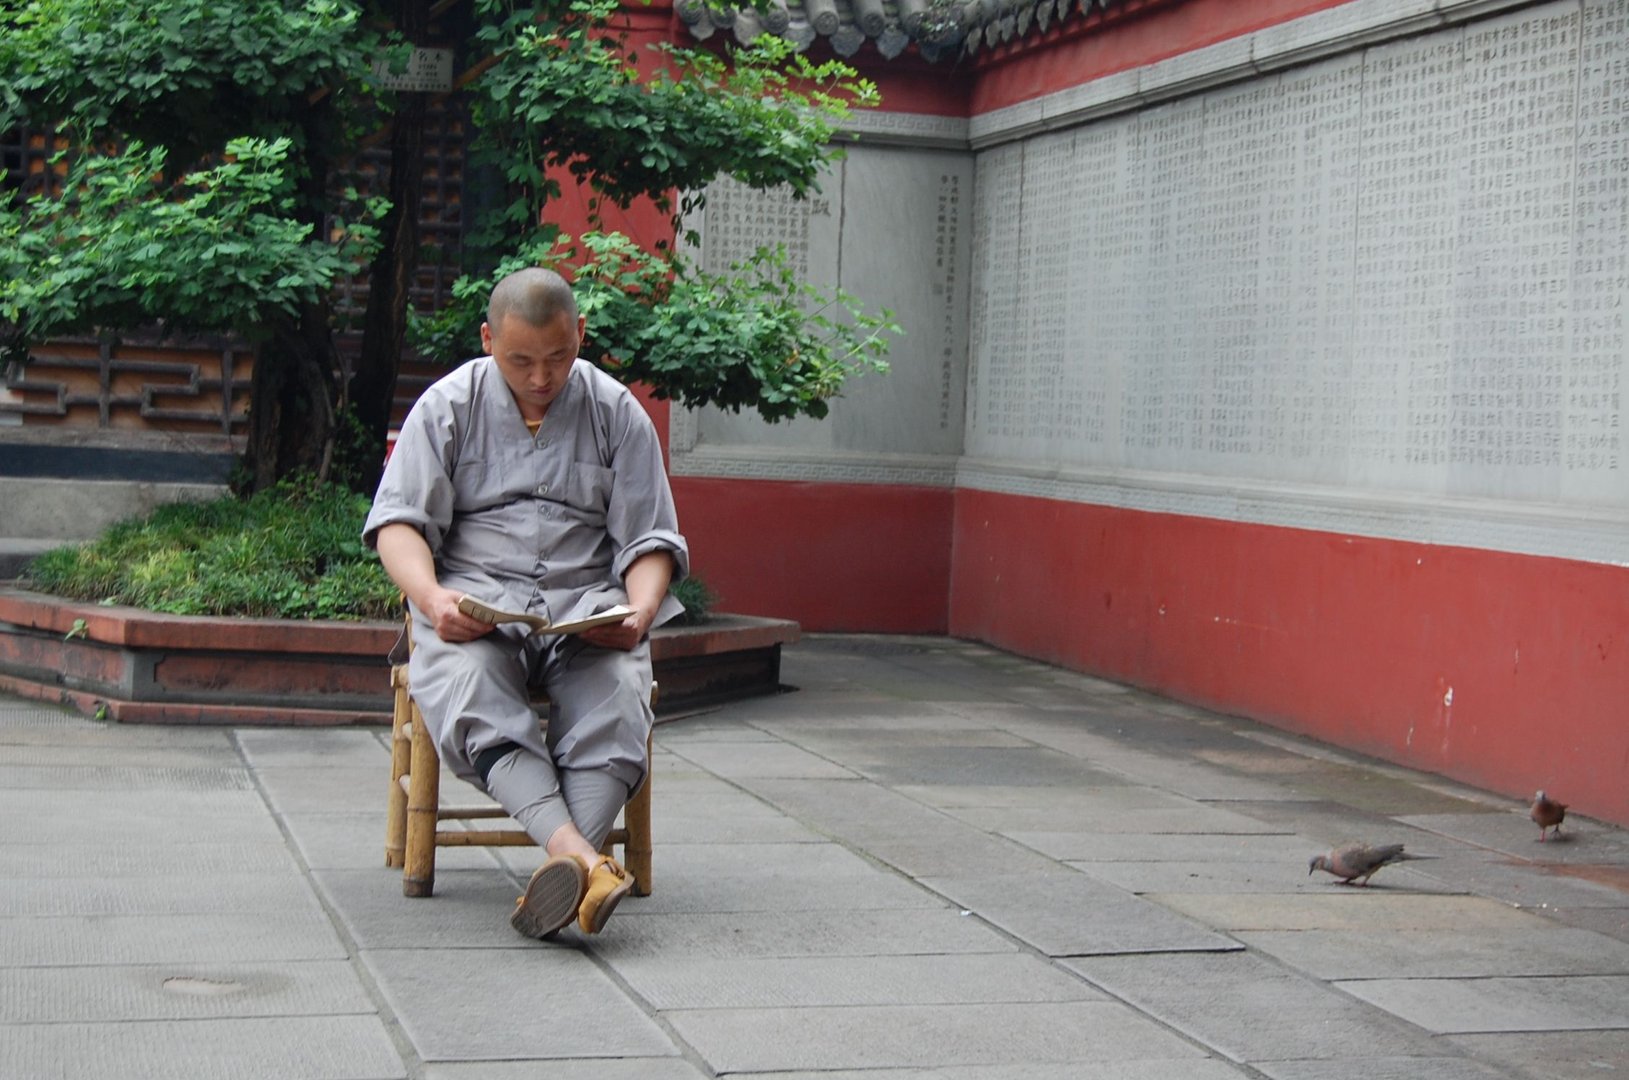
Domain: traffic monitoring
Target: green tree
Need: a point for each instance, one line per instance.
(205, 188)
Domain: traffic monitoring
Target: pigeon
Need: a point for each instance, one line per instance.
(1546, 812)
(1355, 864)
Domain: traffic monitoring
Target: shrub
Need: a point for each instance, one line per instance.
(697, 599)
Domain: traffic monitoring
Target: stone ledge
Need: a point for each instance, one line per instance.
(139, 666)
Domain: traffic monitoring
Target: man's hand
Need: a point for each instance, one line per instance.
(441, 608)
(646, 580)
(624, 635)
(408, 562)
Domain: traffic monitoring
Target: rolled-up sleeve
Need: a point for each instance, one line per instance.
(641, 517)
(417, 486)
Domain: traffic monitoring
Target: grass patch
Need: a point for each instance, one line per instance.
(293, 552)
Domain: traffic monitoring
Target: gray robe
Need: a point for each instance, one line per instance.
(547, 524)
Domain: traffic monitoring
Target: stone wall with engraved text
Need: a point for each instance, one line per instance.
(1397, 270)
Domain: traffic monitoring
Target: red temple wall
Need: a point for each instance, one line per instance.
(1078, 51)
(841, 557)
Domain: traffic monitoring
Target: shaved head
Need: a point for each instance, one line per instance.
(534, 295)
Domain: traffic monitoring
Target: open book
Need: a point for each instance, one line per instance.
(477, 609)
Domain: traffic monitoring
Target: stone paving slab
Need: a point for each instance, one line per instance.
(1330, 823)
(469, 909)
(1530, 884)
(802, 982)
(15, 712)
(73, 941)
(1564, 1055)
(824, 704)
(58, 728)
(176, 894)
(1362, 788)
(963, 765)
(317, 748)
(721, 817)
(218, 757)
(1611, 922)
(1308, 747)
(1047, 805)
(1614, 876)
(503, 1004)
(197, 858)
(1289, 852)
(915, 839)
(1353, 909)
(1250, 1010)
(1078, 713)
(144, 818)
(1383, 1068)
(668, 1068)
(923, 687)
(880, 743)
(694, 825)
(1232, 877)
(762, 1040)
(276, 1048)
(1070, 914)
(775, 877)
(1566, 1003)
(680, 780)
(1197, 820)
(1415, 954)
(120, 778)
(39, 995)
(1142, 1069)
(1514, 834)
(764, 935)
(730, 728)
(798, 716)
(737, 761)
(1196, 781)
(340, 790)
(356, 841)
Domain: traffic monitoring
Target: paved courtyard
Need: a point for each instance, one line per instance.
(933, 861)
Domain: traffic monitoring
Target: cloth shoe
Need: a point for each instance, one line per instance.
(608, 883)
(552, 897)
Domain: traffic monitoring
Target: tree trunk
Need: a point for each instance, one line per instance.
(372, 390)
(291, 418)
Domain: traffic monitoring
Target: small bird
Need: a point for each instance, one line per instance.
(1547, 813)
(1355, 864)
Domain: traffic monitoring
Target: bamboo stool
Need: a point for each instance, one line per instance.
(413, 812)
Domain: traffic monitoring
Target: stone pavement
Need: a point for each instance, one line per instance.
(932, 862)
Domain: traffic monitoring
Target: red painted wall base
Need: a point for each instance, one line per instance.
(836, 557)
(1506, 671)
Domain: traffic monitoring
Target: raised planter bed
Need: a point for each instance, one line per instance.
(136, 666)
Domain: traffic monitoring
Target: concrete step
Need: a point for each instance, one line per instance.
(60, 509)
(15, 555)
(60, 485)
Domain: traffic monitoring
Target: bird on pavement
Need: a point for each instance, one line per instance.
(1355, 864)
(1547, 813)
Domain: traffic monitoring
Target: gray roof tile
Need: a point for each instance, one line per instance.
(940, 29)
